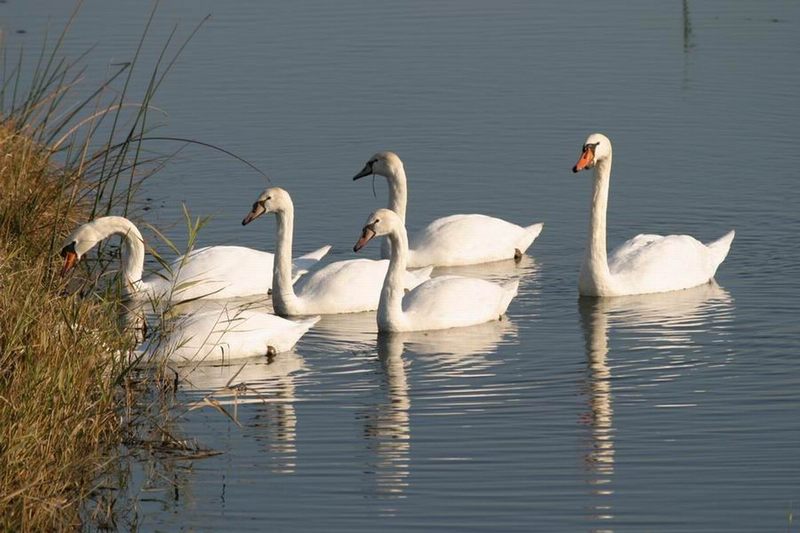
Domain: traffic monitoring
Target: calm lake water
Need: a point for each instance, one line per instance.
(671, 412)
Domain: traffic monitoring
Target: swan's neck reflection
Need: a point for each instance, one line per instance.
(600, 457)
(387, 430)
(667, 325)
(278, 417)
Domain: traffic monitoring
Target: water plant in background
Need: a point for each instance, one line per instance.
(65, 384)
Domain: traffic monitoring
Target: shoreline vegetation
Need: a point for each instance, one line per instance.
(65, 389)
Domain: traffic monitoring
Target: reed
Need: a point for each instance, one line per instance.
(65, 395)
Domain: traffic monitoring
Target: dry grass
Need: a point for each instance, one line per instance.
(57, 379)
(64, 400)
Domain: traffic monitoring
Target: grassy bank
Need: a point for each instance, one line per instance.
(57, 382)
(67, 154)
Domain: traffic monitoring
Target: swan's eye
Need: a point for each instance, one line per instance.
(268, 198)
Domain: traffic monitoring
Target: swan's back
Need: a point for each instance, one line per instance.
(221, 272)
(222, 335)
(349, 286)
(213, 272)
(339, 280)
(655, 263)
(469, 239)
(454, 301)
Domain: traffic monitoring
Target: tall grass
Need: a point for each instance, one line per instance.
(63, 357)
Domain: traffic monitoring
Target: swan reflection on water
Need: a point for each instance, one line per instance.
(442, 354)
(266, 385)
(666, 325)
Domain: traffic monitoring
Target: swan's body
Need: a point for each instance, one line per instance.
(210, 272)
(646, 263)
(439, 303)
(454, 240)
(348, 286)
(223, 335)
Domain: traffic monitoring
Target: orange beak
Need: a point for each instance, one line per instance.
(586, 159)
(70, 259)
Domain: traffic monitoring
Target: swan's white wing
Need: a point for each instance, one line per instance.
(468, 239)
(222, 272)
(219, 336)
(349, 286)
(455, 301)
(652, 263)
(214, 272)
(343, 287)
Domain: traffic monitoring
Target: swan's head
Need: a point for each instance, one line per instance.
(78, 243)
(596, 148)
(272, 200)
(381, 222)
(386, 164)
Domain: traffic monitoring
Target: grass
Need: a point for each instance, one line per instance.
(65, 391)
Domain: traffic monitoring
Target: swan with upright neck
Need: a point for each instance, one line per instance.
(209, 272)
(440, 303)
(646, 263)
(350, 286)
(454, 240)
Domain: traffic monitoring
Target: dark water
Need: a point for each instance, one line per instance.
(673, 412)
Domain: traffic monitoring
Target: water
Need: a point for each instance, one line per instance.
(676, 412)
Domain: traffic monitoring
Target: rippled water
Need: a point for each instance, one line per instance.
(671, 412)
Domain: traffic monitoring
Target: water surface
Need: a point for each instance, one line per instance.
(675, 412)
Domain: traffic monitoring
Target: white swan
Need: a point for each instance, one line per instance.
(439, 303)
(211, 272)
(226, 334)
(348, 286)
(454, 240)
(646, 263)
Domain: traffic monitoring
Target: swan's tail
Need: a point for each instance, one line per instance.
(317, 254)
(300, 328)
(307, 323)
(529, 235)
(721, 247)
(303, 264)
(422, 274)
(509, 291)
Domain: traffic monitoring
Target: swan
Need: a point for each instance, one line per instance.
(646, 263)
(348, 286)
(226, 334)
(439, 303)
(211, 272)
(454, 240)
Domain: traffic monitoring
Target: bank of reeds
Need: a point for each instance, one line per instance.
(62, 354)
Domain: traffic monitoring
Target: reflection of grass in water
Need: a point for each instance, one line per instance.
(63, 394)
(687, 28)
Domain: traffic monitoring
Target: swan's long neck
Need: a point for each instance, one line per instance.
(283, 297)
(398, 192)
(595, 277)
(390, 306)
(398, 198)
(132, 253)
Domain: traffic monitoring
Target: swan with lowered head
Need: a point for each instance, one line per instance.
(210, 272)
(646, 263)
(439, 303)
(348, 286)
(227, 334)
(454, 240)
